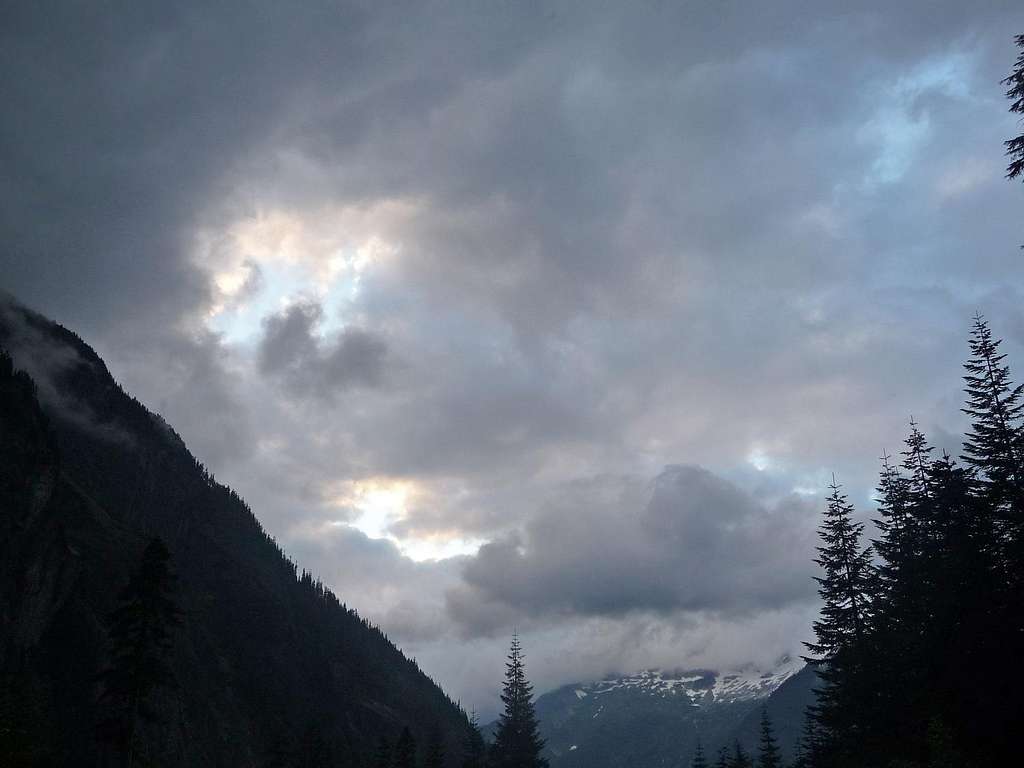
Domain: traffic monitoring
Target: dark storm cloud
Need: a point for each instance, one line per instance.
(290, 347)
(699, 543)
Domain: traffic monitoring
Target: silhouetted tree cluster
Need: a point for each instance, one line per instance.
(921, 633)
(768, 754)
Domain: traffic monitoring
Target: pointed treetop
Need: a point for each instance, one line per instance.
(699, 761)
(768, 749)
(994, 446)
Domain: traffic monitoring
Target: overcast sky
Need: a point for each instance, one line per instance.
(553, 316)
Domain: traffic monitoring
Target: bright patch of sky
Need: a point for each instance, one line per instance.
(759, 460)
(901, 125)
(382, 503)
(261, 264)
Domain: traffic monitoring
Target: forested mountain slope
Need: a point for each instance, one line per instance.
(272, 669)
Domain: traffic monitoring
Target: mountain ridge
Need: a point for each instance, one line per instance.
(655, 717)
(277, 666)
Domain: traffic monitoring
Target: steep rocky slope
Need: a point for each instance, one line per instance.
(272, 668)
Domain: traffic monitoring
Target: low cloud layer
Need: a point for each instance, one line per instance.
(696, 544)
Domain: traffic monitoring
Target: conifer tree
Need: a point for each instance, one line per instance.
(768, 755)
(895, 523)
(1015, 93)
(405, 750)
(848, 581)
(994, 448)
(517, 743)
(723, 758)
(382, 757)
(141, 633)
(740, 758)
(995, 443)
(807, 745)
(841, 650)
(435, 751)
(699, 761)
(917, 461)
(905, 505)
(474, 749)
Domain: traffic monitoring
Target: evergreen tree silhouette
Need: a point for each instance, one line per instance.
(906, 511)
(1015, 93)
(699, 761)
(517, 743)
(382, 757)
(141, 635)
(740, 758)
(474, 749)
(405, 750)
(768, 755)
(994, 448)
(723, 758)
(846, 589)
(994, 445)
(435, 750)
(896, 525)
(807, 745)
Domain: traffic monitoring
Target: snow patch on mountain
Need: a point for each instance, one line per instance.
(702, 686)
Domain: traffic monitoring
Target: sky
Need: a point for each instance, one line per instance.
(554, 318)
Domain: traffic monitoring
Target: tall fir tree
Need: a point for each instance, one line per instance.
(739, 757)
(841, 650)
(474, 750)
(141, 637)
(848, 582)
(723, 758)
(434, 757)
(895, 523)
(905, 522)
(405, 750)
(807, 745)
(699, 760)
(517, 742)
(382, 756)
(994, 444)
(768, 755)
(994, 448)
(1015, 93)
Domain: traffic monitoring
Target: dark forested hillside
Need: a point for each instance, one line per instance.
(271, 668)
(921, 630)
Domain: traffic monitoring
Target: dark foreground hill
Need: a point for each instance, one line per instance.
(272, 669)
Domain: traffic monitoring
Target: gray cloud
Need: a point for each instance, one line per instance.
(290, 348)
(697, 544)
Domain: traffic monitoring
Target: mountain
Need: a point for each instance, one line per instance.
(655, 717)
(272, 668)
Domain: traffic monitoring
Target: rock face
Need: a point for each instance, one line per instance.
(655, 717)
(272, 668)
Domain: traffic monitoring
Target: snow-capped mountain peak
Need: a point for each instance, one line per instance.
(701, 686)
